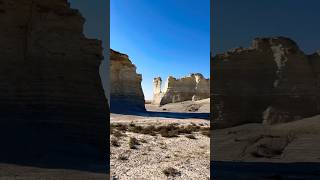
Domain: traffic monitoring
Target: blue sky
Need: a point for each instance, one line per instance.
(162, 37)
(237, 23)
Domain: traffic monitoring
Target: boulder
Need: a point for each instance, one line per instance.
(126, 91)
(272, 82)
(193, 87)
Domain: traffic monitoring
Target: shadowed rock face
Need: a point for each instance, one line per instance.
(126, 91)
(50, 88)
(273, 81)
(193, 87)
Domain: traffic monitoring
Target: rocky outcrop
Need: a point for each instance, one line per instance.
(193, 87)
(50, 91)
(126, 91)
(273, 81)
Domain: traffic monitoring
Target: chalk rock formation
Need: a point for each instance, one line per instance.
(193, 87)
(273, 81)
(50, 85)
(126, 91)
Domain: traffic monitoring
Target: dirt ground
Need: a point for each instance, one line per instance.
(158, 157)
(19, 172)
(296, 141)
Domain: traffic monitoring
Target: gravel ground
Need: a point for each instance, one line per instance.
(189, 157)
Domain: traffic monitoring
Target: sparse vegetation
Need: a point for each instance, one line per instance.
(190, 136)
(114, 142)
(131, 124)
(151, 130)
(143, 141)
(169, 131)
(136, 129)
(118, 134)
(120, 127)
(170, 171)
(189, 129)
(206, 133)
(133, 142)
(123, 157)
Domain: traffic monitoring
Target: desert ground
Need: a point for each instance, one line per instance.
(19, 172)
(296, 141)
(166, 142)
(282, 151)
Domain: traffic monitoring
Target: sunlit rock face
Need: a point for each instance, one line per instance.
(193, 87)
(50, 85)
(126, 91)
(273, 81)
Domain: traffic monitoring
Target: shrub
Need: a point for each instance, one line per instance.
(206, 133)
(122, 157)
(122, 127)
(136, 129)
(143, 141)
(171, 172)
(169, 133)
(118, 134)
(151, 130)
(115, 142)
(133, 142)
(191, 136)
(131, 124)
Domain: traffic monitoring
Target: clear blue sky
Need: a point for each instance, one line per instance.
(162, 37)
(236, 23)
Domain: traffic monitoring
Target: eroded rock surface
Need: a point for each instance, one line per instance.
(50, 92)
(126, 91)
(273, 81)
(194, 87)
(289, 142)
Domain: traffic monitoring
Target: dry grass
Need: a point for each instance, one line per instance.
(143, 141)
(119, 127)
(169, 131)
(118, 134)
(114, 142)
(206, 133)
(133, 142)
(170, 171)
(191, 136)
(123, 157)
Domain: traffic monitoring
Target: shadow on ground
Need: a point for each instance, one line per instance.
(260, 170)
(176, 115)
(47, 148)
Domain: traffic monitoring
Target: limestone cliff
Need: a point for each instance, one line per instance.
(193, 87)
(126, 91)
(50, 88)
(273, 81)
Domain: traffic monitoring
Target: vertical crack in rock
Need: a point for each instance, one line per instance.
(280, 59)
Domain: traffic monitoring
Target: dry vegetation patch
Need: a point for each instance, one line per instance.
(114, 142)
(169, 131)
(133, 142)
(170, 171)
